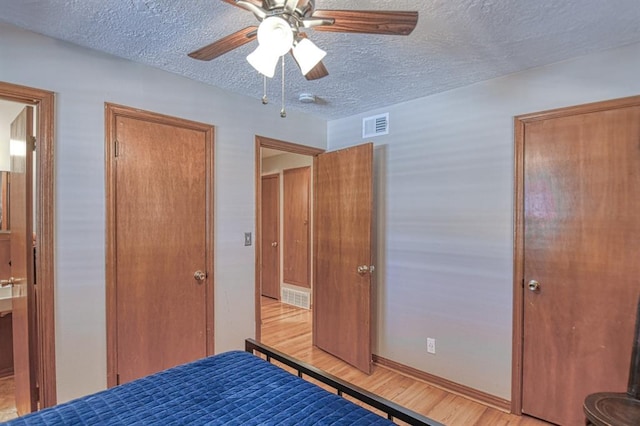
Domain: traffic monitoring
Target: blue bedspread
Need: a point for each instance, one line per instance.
(233, 388)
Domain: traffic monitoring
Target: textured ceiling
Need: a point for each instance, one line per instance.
(456, 43)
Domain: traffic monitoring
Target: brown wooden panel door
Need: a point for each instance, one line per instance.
(6, 333)
(23, 292)
(5, 254)
(297, 231)
(343, 223)
(162, 237)
(581, 244)
(270, 212)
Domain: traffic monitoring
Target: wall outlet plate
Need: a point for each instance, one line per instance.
(431, 345)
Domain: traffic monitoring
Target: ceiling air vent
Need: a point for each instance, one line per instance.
(376, 125)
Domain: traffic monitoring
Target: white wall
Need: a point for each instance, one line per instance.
(444, 180)
(83, 80)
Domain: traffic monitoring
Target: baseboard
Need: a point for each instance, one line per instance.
(449, 386)
(6, 372)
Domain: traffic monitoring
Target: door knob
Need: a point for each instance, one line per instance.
(363, 269)
(199, 276)
(534, 285)
(274, 244)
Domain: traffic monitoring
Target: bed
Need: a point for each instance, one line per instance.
(233, 388)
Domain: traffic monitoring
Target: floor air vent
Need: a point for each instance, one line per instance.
(376, 125)
(295, 298)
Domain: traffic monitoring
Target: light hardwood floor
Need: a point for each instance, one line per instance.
(7, 402)
(288, 329)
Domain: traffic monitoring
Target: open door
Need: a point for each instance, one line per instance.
(343, 292)
(22, 277)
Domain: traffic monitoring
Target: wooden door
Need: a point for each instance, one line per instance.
(343, 296)
(161, 242)
(270, 212)
(23, 292)
(297, 231)
(581, 244)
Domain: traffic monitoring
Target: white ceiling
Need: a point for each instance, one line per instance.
(456, 43)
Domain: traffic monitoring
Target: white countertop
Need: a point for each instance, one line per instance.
(5, 299)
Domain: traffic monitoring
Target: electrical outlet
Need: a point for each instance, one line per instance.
(431, 345)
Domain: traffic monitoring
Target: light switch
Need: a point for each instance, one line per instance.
(247, 238)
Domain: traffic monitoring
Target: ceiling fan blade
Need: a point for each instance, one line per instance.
(319, 71)
(368, 21)
(224, 45)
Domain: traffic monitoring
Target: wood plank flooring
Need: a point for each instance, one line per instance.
(7, 402)
(288, 329)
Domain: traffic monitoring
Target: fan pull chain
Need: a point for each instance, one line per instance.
(265, 100)
(283, 112)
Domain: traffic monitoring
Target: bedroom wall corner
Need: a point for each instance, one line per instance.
(444, 190)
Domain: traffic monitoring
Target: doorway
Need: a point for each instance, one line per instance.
(343, 271)
(32, 318)
(576, 256)
(273, 147)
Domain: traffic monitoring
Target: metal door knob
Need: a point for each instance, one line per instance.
(534, 285)
(199, 276)
(274, 244)
(363, 269)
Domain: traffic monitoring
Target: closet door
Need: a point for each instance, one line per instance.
(160, 243)
(581, 256)
(270, 212)
(297, 232)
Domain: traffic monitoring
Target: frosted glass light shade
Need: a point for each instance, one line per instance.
(264, 61)
(275, 38)
(307, 55)
(275, 34)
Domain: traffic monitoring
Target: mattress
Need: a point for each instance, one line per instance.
(233, 388)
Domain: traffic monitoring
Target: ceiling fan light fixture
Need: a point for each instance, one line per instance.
(307, 55)
(275, 38)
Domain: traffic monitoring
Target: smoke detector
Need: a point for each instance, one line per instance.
(307, 98)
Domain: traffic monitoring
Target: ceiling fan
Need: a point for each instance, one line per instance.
(281, 31)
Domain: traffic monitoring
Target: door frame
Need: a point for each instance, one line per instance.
(520, 123)
(280, 145)
(44, 103)
(111, 112)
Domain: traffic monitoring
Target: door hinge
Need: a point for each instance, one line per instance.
(117, 379)
(116, 148)
(33, 141)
